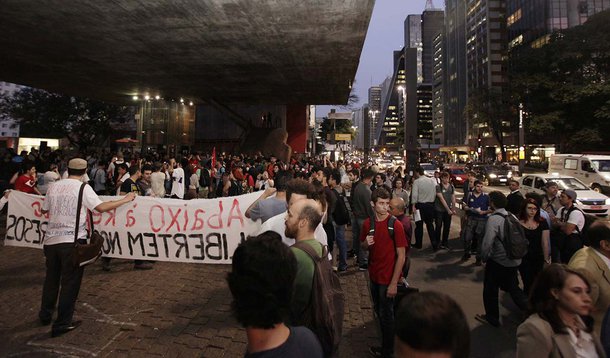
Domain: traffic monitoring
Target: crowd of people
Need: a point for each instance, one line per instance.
(312, 201)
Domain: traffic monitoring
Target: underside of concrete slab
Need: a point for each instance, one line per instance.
(231, 51)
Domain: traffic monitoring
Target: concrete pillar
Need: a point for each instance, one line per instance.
(296, 126)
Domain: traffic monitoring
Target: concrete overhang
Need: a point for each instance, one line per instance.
(229, 51)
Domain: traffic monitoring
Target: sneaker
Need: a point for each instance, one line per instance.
(375, 351)
(363, 267)
(478, 262)
(444, 246)
(483, 319)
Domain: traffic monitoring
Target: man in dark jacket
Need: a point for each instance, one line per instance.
(515, 198)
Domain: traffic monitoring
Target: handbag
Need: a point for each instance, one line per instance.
(87, 253)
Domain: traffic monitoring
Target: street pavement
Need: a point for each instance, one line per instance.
(183, 310)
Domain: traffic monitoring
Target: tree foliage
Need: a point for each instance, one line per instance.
(491, 109)
(565, 86)
(82, 121)
(340, 126)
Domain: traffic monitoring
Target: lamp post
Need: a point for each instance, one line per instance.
(521, 140)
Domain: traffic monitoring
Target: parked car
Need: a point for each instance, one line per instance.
(428, 168)
(589, 201)
(457, 175)
(493, 174)
(384, 164)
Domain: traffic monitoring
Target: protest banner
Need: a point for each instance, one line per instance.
(198, 231)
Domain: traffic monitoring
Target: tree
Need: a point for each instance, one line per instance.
(340, 126)
(82, 121)
(565, 86)
(491, 109)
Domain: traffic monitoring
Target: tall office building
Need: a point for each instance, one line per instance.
(358, 118)
(455, 89)
(413, 39)
(424, 114)
(438, 118)
(531, 22)
(390, 128)
(375, 113)
(432, 23)
(486, 63)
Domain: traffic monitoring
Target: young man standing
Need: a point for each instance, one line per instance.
(386, 260)
(570, 221)
(500, 270)
(444, 206)
(476, 205)
(423, 194)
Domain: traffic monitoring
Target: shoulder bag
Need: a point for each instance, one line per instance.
(85, 254)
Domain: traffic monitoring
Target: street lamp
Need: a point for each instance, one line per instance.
(521, 140)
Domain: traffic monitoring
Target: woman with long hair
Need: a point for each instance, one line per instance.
(398, 190)
(560, 324)
(539, 250)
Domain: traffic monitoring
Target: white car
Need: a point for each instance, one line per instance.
(589, 201)
(429, 169)
(384, 164)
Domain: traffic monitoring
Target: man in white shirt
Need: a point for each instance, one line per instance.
(178, 182)
(423, 194)
(50, 177)
(60, 203)
(296, 189)
(570, 221)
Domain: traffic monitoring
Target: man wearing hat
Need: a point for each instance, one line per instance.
(60, 204)
(569, 222)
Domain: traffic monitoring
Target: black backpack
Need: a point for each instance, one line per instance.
(341, 213)
(589, 219)
(515, 243)
(204, 178)
(391, 221)
(324, 314)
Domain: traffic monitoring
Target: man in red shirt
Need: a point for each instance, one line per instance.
(386, 259)
(26, 182)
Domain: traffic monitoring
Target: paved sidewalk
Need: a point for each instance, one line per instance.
(183, 310)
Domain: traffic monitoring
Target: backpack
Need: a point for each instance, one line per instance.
(515, 243)
(324, 314)
(92, 178)
(341, 213)
(589, 219)
(391, 221)
(204, 178)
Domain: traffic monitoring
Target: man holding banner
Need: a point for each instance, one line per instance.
(61, 203)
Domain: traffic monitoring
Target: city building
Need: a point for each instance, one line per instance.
(486, 68)
(438, 118)
(390, 128)
(375, 100)
(413, 39)
(358, 118)
(432, 24)
(455, 88)
(531, 22)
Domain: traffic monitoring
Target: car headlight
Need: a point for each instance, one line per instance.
(460, 179)
(493, 176)
(510, 174)
(608, 201)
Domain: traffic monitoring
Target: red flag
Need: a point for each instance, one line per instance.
(214, 158)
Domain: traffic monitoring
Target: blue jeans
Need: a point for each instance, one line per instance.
(342, 245)
(384, 308)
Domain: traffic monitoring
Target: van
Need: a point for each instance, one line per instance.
(593, 170)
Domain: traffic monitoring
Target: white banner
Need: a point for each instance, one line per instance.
(200, 230)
